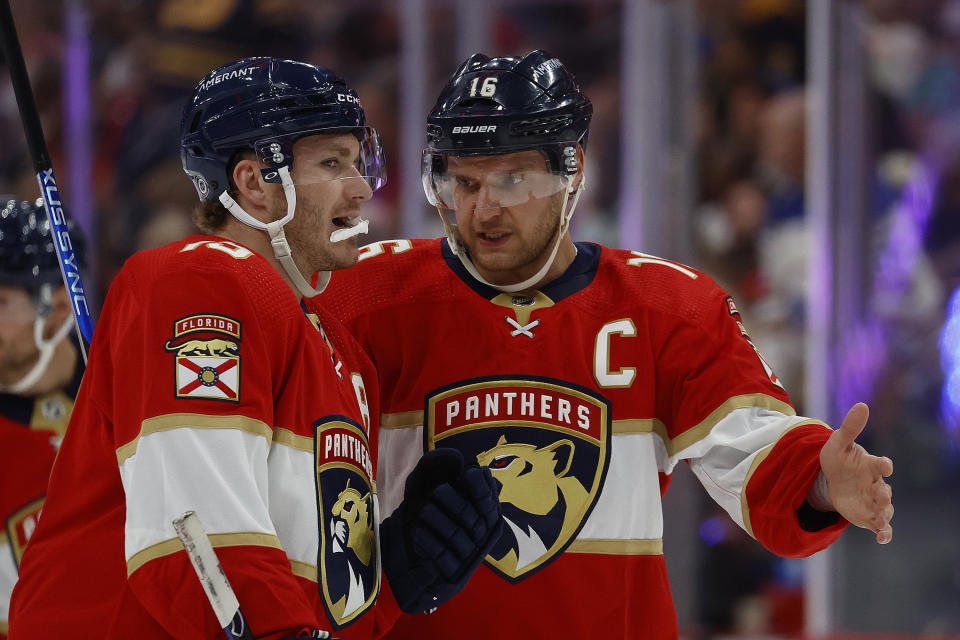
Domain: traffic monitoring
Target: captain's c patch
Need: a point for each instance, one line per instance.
(207, 364)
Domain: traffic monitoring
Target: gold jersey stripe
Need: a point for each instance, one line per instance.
(640, 425)
(4, 627)
(748, 401)
(168, 547)
(760, 457)
(304, 570)
(402, 420)
(4, 540)
(195, 421)
(617, 547)
(294, 441)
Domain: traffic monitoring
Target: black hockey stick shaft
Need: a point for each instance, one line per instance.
(43, 167)
(21, 87)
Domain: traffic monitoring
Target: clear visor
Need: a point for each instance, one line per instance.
(489, 182)
(323, 155)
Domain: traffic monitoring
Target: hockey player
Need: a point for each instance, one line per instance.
(580, 376)
(40, 370)
(210, 389)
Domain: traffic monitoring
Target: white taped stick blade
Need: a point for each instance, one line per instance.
(207, 565)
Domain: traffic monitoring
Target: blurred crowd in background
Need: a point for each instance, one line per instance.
(749, 223)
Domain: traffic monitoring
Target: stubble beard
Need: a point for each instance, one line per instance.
(528, 256)
(14, 363)
(309, 239)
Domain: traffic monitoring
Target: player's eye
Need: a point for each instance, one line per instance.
(466, 183)
(331, 163)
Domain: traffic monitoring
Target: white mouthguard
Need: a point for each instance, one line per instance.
(342, 234)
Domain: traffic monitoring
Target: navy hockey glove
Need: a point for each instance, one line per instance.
(448, 521)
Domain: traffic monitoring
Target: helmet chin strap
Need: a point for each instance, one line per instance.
(281, 248)
(460, 250)
(47, 348)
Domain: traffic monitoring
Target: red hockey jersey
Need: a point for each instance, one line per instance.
(209, 389)
(581, 399)
(26, 457)
(31, 427)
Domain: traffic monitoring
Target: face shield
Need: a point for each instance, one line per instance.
(517, 182)
(326, 149)
(354, 157)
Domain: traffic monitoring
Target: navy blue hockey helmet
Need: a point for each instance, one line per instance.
(266, 104)
(508, 104)
(28, 257)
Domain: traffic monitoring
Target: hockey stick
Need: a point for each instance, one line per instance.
(30, 118)
(214, 580)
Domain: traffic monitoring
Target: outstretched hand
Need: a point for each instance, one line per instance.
(855, 483)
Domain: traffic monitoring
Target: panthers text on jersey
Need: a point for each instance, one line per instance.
(210, 389)
(581, 399)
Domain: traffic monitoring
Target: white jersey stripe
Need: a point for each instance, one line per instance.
(227, 496)
(8, 578)
(724, 458)
(626, 485)
(195, 420)
(275, 508)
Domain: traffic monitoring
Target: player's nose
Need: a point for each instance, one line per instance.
(357, 188)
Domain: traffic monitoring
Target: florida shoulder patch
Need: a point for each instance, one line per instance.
(348, 569)
(546, 442)
(206, 350)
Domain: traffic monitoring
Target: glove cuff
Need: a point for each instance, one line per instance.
(409, 579)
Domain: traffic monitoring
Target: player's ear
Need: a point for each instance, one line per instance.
(249, 182)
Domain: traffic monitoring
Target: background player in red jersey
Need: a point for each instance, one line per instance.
(580, 376)
(210, 389)
(40, 372)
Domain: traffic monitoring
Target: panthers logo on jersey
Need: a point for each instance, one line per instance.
(347, 563)
(547, 444)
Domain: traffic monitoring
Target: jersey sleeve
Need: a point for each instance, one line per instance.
(195, 373)
(729, 417)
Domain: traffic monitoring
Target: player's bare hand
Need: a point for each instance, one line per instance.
(855, 482)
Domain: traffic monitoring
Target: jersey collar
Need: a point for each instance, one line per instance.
(578, 275)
